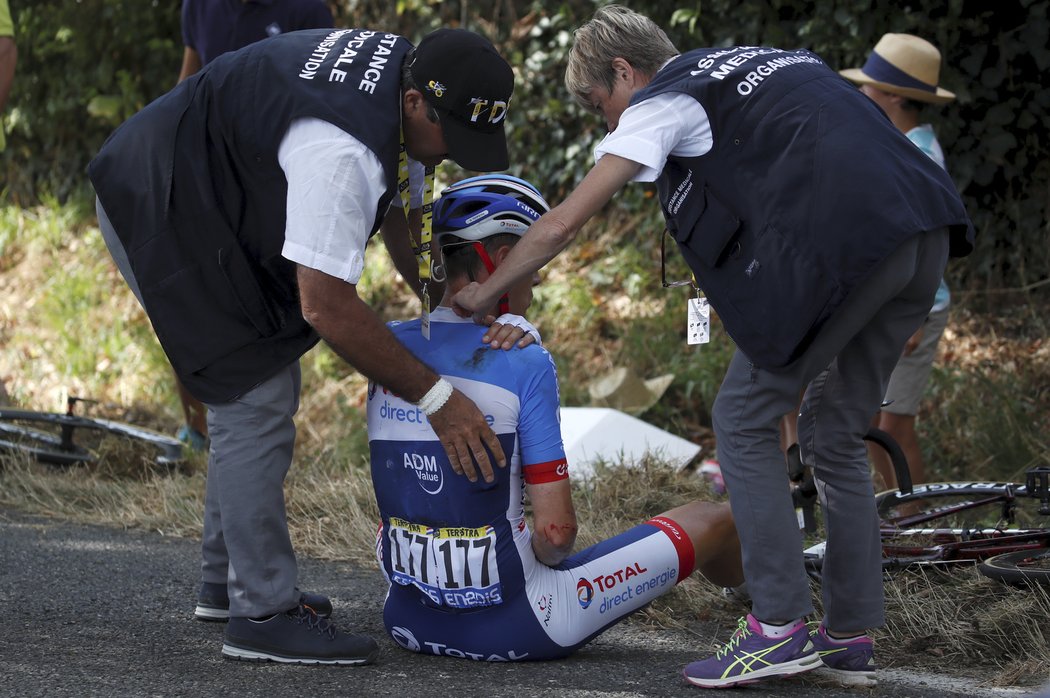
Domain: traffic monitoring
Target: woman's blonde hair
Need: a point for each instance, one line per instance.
(614, 32)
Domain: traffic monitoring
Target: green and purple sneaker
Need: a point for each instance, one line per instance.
(751, 656)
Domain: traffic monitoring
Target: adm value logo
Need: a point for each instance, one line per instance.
(427, 471)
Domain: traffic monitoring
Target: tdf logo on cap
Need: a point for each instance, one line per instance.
(437, 88)
(497, 110)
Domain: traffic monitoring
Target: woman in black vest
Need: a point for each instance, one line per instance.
(819, 234)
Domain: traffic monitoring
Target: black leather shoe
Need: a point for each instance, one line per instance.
(298, 636)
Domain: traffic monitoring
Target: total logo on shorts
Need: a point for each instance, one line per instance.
(405, 638)
(584, 592)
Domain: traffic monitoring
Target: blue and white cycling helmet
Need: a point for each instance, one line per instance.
(476, 208)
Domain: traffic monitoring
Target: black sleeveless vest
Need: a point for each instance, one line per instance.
(194, 190)
(808, 186)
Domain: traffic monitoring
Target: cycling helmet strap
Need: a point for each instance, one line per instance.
(504, 302)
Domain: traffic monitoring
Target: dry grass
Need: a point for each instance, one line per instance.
(935, 617)
(169, 504)
(957, 617)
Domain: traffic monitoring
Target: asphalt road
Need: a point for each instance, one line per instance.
(92, 611)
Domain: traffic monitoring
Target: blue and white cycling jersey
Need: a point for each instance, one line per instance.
(459, 542)
(464, 581)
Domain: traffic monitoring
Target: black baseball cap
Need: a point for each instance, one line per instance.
(464, 78)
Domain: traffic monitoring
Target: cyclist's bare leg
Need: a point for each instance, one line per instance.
(716, 546)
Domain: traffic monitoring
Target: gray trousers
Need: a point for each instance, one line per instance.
(844, 373)
(245, 544)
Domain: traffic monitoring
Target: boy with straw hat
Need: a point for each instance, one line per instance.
(904, 65)
(900, 76)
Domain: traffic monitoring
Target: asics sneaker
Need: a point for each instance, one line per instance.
(750, 656)
(298, 636)
(850, 662)
(213, 603)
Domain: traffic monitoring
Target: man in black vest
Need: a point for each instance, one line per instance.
(210, 29)
(237, 207)
(819, 234)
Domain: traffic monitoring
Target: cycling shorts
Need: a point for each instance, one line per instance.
(560, 608)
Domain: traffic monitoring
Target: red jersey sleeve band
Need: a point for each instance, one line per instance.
(551, 471)
(682, 544)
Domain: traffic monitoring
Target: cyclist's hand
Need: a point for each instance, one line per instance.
(465, 435)
(508, 329)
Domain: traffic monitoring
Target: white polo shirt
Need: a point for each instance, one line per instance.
(334, 185)
(668, 124)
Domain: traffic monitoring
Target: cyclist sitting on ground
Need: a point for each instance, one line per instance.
(461, 560)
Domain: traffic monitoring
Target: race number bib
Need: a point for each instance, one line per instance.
(455, 567)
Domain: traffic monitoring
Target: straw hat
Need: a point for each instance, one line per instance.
(623, 390)
(905, 65)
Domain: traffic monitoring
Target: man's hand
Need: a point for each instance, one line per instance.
(333, 308)
(472, 301)
(465, 435)
(913, 342)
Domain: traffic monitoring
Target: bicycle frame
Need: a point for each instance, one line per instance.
(915, 538)
(964, 544)
(59, 438)
(956, 546)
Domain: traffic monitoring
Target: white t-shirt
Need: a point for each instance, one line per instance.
(334, 184)
(672, 123)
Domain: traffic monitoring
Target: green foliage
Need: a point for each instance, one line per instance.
(994, 59)
(84, 66)
(551, 138)
(69, 323)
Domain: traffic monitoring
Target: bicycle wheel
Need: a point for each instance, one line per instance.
(897, 458)
(1019, 566)
(41, 445)
(60, 439)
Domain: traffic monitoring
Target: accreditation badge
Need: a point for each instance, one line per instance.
(424, 324)
(698, 322)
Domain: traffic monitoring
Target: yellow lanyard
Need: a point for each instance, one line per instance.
(426, 230)
(422, 251)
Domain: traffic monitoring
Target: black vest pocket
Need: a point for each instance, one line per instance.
(244, 286)
(770, 297)
(206, 309)
(710, 232)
